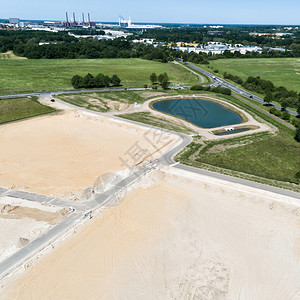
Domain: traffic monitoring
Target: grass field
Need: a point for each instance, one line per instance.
(276, 157)
(281, 71)
(21, 108)
(18, 76)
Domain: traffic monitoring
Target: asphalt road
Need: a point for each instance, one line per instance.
(71, 92)
(232, 87)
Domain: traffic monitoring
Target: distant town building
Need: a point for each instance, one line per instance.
(14, 21)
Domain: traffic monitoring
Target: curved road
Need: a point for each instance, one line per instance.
(234, 88)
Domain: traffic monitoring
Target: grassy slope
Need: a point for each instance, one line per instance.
(18, 76)
(276, 157)
(281, 71)
(21, 108)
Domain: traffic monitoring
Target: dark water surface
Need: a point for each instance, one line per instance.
(202, 113)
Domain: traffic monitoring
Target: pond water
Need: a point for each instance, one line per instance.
(233, 131)
(202, 113)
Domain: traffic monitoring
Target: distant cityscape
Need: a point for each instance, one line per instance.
(122, 28)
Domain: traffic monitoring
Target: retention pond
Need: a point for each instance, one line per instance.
(202, 113)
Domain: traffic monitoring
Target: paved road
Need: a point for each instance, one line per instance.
(232, 87)
(72, 92)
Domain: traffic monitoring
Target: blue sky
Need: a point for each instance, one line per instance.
(160, 11)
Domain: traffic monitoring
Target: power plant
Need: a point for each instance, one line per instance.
(78, 23)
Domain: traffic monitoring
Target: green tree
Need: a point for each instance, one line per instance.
(88, 81)
(100, 81)
(165, 84)
(76, 81)
(268, 98)
(166, 76)
(161, 78)
(153, 78)
(115, 80)
(284, 104)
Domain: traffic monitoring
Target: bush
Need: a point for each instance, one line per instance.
(275, 112)
(285, 115)
(197, 87)
(222, 90)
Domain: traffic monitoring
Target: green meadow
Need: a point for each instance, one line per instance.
(40, 75)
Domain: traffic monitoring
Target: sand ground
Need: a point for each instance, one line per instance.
(22, 221)
(183, 237)
(63, 154)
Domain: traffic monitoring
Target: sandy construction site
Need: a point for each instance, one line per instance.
(64, 154)
(23, 221)
(177, 236)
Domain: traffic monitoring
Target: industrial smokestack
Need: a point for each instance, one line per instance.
(74, 20)
(89, 19)
(83, 19)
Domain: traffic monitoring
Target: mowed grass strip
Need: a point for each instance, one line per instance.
(21, 108)
(281, 71)
(40, 75)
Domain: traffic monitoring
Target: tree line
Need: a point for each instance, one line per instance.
(285, 97)
(100, 81)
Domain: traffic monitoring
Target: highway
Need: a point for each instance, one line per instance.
(233, 88)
